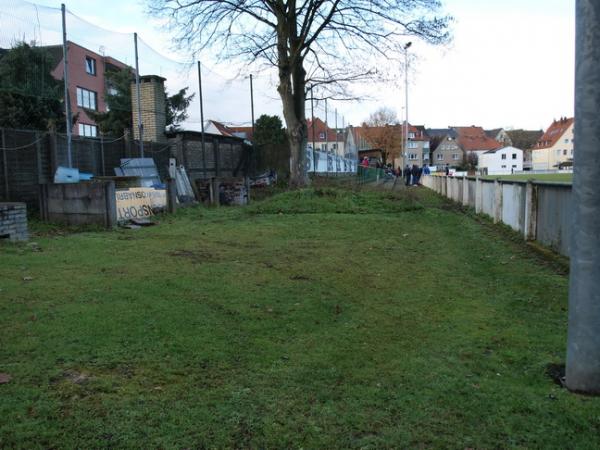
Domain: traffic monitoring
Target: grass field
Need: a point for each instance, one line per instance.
(314, 319)
(553, 177)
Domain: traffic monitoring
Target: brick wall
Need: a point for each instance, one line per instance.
(152, 95)
(13, 221)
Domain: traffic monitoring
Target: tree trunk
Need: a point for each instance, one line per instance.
(292, 92)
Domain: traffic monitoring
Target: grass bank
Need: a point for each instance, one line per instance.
(323, 318)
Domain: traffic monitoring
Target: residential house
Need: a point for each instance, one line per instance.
(350, 145)
(555, 147)
(444, 147)
(473, 140)
(499, 135)
(324, 138)
(525, 140)
(88, 85)
(418, 149)
(501, 161)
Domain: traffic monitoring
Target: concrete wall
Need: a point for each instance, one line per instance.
(554, 212)
(83, 203)
(539, 211)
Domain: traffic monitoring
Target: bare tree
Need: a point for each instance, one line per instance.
(382, 131)
(322, 43)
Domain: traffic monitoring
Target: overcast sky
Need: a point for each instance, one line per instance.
(511, 63)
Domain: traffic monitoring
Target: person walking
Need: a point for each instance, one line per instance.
(447, 169)
(415, 174)
(407, 175)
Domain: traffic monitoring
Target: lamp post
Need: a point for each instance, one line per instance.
(406, 47)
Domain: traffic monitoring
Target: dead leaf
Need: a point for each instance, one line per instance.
(4, 378)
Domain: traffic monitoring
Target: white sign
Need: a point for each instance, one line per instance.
(136, 203)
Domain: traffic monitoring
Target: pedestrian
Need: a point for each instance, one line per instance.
(447, 169)
(407, 175)
(415, 174)
(426, 170)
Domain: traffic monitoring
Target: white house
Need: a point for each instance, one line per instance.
(502, 161)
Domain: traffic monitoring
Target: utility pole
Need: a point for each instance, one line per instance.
(66, 82)
(252, 105)
(312, 125)
(336, 132)
(326, 128)
(139, 100)
(406, 47)
(583, 341)
(201, 118)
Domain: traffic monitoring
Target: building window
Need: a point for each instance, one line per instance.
(90, 65)
(455, 156)
(334, 146)
(504, 166)
(426, 144)
(565, 152)
(88, 130)
(514, 166)
(440, 157)
(412, 156)
(87, 99)
(412, 145)
(571, 152)
(321, 135)
(514, 156)
(425, 156)
(557, 152)
(411, 135)
(503, 156)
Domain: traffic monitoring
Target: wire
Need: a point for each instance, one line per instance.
(25, 146)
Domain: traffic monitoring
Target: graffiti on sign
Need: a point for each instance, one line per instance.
(135, 203)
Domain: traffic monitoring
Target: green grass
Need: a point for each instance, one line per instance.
(317, 319)
(553, 177)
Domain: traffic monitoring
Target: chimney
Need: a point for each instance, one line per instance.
(152, 95)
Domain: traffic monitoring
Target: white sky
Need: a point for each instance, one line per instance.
(511, 63)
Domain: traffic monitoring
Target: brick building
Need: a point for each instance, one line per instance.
(87, 83)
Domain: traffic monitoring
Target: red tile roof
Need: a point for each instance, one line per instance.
(322, 132)
(245, 132)
(223, 129)
(553, 133)
(474, 138)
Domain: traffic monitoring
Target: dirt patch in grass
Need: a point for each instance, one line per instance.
(195, 256)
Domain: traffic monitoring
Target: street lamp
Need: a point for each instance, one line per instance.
(406, 47)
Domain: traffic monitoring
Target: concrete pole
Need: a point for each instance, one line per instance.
(312, 126)
(202, 120)
(66, 82)
(583, 342)
(139, 100)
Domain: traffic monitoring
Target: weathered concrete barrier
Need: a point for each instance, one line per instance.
(13, 221)
(82, 203)
(539, 211)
